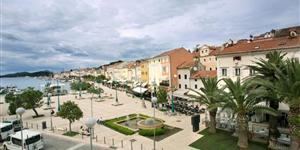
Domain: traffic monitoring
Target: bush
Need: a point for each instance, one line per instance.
(118, 128)
(150, 132)
(70, 133)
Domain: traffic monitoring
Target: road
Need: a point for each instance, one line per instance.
(58, 143)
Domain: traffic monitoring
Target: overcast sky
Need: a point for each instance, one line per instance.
(63, 34)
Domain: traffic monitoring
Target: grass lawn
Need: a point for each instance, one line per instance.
(72, 133)
(222, 140)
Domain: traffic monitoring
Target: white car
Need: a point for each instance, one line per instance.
(32, 140)
(6, 129)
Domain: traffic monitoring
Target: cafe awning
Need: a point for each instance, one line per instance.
(139, 90)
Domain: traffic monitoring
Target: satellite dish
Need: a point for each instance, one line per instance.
(293, 34)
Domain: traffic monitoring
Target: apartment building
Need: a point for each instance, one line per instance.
(163, 67)
(207, 56)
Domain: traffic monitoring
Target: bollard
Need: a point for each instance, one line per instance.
(37, 126)
(96, 138)
(141, 146)
(113, 142)
(104, 140)
(122, 143)
(131, 147)
(31, 125)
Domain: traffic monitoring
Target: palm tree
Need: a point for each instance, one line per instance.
(242, 100)
(211, 96)
(288, 86)
(265, 70)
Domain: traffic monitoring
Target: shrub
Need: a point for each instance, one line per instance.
(70, 133)
(118, 128)
(150, 132)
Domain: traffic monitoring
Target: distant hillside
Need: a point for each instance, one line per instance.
(29, 74)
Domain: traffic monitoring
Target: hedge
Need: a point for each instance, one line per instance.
(150, 132)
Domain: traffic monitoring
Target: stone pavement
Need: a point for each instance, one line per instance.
(106, 110)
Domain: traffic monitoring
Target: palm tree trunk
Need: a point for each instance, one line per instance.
(212, 123)
(274, 133)
(294, 127)
(242, 131)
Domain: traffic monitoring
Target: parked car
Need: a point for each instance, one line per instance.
(15, 122)
(32, 141)
(6, 129)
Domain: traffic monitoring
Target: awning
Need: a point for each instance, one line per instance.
(190, 92)
(139, 90)
(180, 94)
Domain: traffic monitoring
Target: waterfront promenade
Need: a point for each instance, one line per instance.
(106, 110)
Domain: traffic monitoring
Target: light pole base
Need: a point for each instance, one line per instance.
(117, 104)
(173, 113)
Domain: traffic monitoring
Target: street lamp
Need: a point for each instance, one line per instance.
(154, 101)
(58, 92)
(172, 97)
(20, 111)
(90, 122)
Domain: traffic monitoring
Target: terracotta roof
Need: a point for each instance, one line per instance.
(261, 45)
(204, 73)
(187, 64)
(170, 52)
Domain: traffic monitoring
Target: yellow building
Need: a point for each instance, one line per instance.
(144, 71)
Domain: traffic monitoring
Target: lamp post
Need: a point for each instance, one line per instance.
(79, 84)
(58, 92)
(20, 111)
(90, 122)
(172, 97)
(117, 101)
(154, 101)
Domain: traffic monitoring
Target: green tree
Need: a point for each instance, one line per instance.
(14, 102)
(69, 110)
(288, 86)
(211, 96)
(95, 90)
(242, 100)
(100, 78)
(32, 99)
(162, 95)
(265, 70)
(80, 86)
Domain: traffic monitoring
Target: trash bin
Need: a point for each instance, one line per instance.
(195, 122)
(44, 125)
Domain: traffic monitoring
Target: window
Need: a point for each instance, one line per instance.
(195, 80)
(216, 68)
(252, 72)
(204, 60)
(237, 58)
(33, 139)
(164, 69)
(7, 128)
(210, 69)
(16, 141)
(179, 76)
(237, 71)
(179, 86)
(185, 76)
(196, 86)
(185, 86)
(224, 72)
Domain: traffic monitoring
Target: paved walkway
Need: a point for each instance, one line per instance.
(106, 110)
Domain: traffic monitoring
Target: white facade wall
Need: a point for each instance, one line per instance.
(182, 82)
(227, 62)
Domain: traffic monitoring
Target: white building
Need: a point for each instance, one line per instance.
(234, 58)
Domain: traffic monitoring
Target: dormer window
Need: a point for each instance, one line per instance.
(237, 58)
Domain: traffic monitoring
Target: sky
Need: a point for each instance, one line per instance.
(60, 35)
